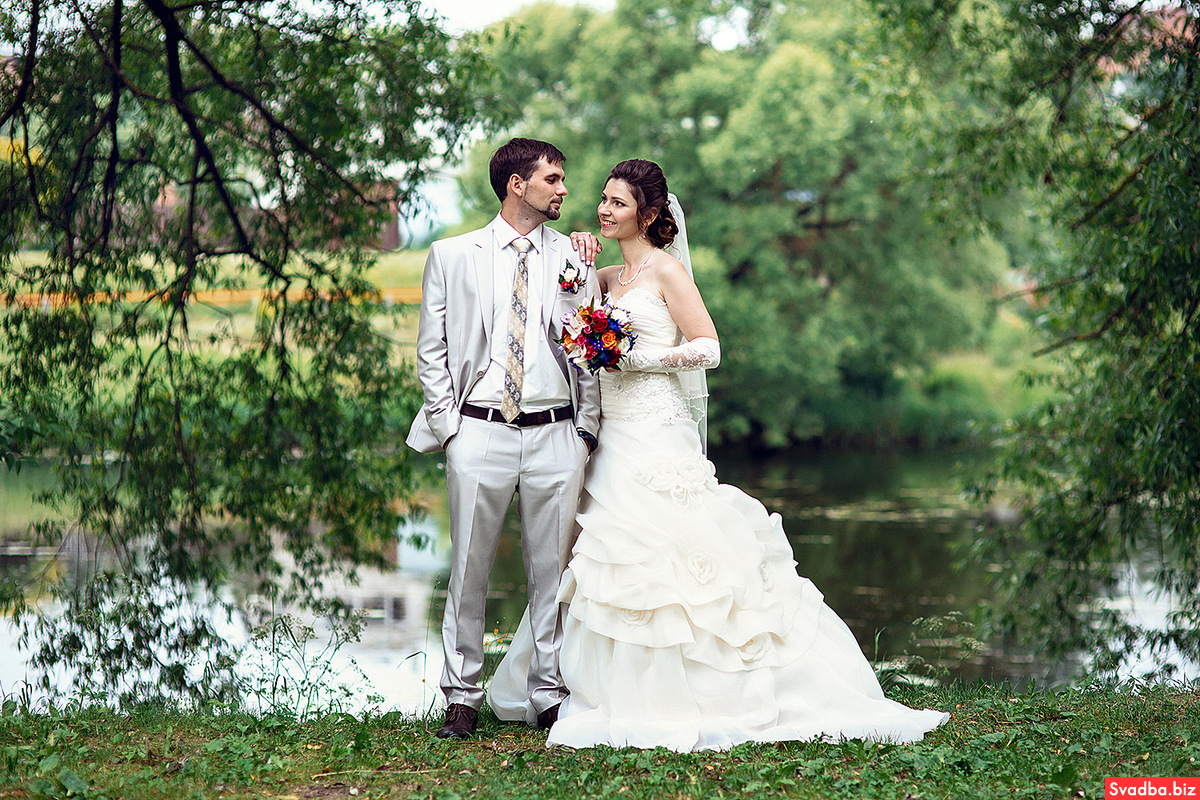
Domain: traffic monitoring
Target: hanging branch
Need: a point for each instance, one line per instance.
(171, 443)
(35, 18)
(1095, 333)
(114, 116)
(297, 141)
(1113, 195)
(174, 37)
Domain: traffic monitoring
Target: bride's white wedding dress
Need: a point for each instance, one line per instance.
(687, 625)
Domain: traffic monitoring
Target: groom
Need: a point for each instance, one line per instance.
(511, 415)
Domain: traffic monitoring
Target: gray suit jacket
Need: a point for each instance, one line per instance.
(454, 335)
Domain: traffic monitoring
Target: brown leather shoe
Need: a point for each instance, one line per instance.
(547, 718)
(460, 722)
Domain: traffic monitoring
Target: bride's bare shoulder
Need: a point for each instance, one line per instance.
(670, 269)
(605, 276)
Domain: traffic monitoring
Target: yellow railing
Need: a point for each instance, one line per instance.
(404, 295)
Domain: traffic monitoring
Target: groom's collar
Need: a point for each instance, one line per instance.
(505, 234)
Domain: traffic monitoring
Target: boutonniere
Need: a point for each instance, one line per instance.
(570, 279)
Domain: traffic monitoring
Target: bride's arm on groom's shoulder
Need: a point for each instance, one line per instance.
(587, 246)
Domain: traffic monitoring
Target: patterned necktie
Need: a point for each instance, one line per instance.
(514, 374)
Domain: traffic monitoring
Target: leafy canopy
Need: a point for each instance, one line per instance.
(161, 150)
(1093, 110)
(812, 244)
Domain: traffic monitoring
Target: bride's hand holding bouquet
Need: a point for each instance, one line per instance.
(595, 337)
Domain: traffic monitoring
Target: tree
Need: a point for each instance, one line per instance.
(161, 150)
(827, 280)
(1091, 109)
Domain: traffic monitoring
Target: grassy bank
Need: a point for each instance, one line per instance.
(998, 744)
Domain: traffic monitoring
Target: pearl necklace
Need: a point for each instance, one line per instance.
(636, 272)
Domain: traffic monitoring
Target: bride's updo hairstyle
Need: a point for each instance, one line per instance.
(649, 187)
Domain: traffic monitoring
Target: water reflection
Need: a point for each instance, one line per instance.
(880, 534)
(400, 650)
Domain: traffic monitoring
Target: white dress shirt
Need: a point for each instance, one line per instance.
(545, 386)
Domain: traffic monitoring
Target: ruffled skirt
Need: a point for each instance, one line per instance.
(687, 626)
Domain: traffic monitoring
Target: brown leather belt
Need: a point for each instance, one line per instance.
(526, 419)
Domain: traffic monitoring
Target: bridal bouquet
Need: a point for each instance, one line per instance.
(595, 337)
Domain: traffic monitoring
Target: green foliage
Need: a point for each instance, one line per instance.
(1092, 110)
(164, 150)
(291, 669)
(949, 639)
(17, 431)
(997, 744)
(803, 188)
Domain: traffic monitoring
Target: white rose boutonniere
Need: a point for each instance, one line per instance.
(570, 279)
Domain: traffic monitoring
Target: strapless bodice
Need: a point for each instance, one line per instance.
(644, 396)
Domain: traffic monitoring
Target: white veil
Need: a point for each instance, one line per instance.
(693, 382)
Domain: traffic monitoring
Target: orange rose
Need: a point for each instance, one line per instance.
(609, 338)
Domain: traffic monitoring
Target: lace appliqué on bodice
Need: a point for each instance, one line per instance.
(645, 396)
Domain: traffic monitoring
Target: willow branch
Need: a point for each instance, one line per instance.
(1112, 318)
(1095, 48)
(35, 16)
(1165, 105)
(1043, 288)
(174, 36)
(1113, 195)
(31, 174)
(108, 55)
(297, 141)
(114, 115)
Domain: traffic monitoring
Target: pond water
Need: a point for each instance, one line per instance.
(880, 534)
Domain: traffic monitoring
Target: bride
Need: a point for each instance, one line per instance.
(685, 624)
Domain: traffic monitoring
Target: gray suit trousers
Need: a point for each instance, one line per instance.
(486, 463)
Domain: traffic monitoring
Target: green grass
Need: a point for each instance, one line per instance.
(17, 511)
(998, 744)
(400, 268)
(32, 258)
(392, 270)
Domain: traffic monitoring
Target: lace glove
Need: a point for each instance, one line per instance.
(700, 353)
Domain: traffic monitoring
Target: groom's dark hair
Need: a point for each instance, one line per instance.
(520, 157)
